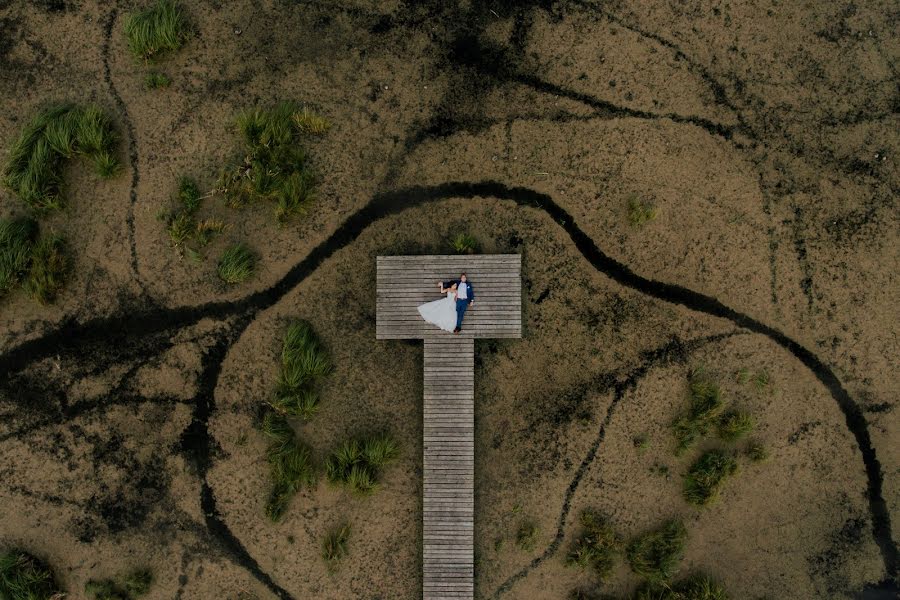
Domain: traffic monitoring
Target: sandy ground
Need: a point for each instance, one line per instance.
(764, 134)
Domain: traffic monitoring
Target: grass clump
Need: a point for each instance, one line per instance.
(756, 451)
(707, 475)
(237, 264)
(39, 264)
(656, 554)
(735, 425)
(290, 464)
(705, 406)
(275, 166)
(304, 362)
(17, 237)
(156, 30)
(639, 213)
(127, 587)
(597, 547)
(334, 545)
(463, 243)
(696, 587)
(49, 267)
(34, 169)
(23, 577)
(155, 81)
(526, 535)
(358, 462)
(189, 234)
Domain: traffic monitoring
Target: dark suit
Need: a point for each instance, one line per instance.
(461, 305)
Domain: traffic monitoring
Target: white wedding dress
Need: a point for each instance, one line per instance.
(440, 312)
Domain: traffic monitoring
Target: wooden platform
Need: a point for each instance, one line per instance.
(405, 282)
(448, 506)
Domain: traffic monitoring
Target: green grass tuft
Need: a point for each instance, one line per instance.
(597, 547)
(656, 554)
(127, 587)
(463, 243)
(735, 425)
(707, 475)
(308, 122)
(639, 213)
(275, 167)
(49, 267)
(290, 464)
(156, 30)
(304, 362)
(237, 264)
(696, 587)
(23, 577)
(189, 195)
(526, 535)
(155, 81)
(756, 451)
(334, 545)
(17, 237)
(34, 169)
(705, 406)
(358, 462)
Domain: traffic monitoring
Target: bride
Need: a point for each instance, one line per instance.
(441, 312)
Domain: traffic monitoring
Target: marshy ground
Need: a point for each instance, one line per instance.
(690, 185)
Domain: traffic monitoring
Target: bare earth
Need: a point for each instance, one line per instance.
(766, 135)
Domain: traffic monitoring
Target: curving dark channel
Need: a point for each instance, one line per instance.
(72, 334)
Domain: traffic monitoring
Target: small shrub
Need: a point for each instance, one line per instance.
(275, 167)
(128, 587)
(463, 243)
(49, 267)
(155, 81)
(334, 546)
(17, 238)
(707, 475)
(597, 546)
(182, 224)
(23, 577)
(34, 169)
(526, 535)
(761, 380)
(696, 587)
(756, 451)
(639, 213)
(357, 462)
(304, 362)
(237, 264)
(705, 406)
(189, 195)
(656, 554)
(735, 425)
(290, 464)
(156, 30)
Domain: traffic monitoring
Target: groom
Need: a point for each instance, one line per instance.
(465, 296)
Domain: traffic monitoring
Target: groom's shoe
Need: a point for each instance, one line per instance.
(457, 330)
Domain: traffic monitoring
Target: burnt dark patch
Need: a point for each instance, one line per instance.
(827, 566)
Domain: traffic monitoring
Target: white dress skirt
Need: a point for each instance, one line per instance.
(440, 312)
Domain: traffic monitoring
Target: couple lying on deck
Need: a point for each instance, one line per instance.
(447, 313)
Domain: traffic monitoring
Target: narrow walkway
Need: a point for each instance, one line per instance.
(405, 282)
(448, 506)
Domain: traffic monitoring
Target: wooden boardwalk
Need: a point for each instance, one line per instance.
(448, 506)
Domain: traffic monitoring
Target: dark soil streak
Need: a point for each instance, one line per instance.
(132, 147)
(396, 201)
(197, 443)
(674, 351)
